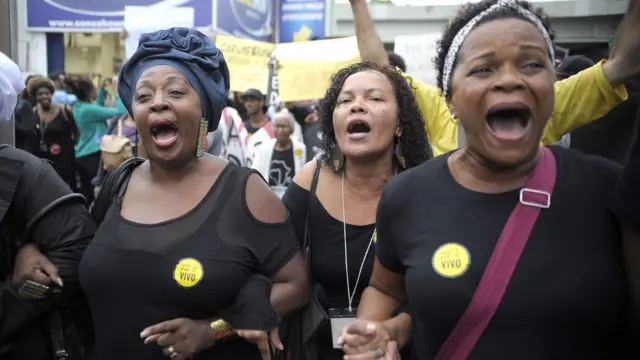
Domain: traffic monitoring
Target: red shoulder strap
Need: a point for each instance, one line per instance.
(535, 196)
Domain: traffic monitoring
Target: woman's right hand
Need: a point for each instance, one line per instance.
(31, 264)
(261, 340)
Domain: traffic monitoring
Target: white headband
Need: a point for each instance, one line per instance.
(452, 54)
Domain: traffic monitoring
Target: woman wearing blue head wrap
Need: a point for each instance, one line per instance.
(188, 229)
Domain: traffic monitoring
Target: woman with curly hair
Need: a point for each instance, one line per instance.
(372, 130)
(505, 249)
(56, 129)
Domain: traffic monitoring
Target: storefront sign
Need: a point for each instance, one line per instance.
(253, 19)
(301, 20)
(99, 16)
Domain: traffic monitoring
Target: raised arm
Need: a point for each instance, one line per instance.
(592, 93)
(369, 43)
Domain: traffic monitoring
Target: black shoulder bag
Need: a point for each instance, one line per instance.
(313, 316)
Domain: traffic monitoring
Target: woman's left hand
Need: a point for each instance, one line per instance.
(180, 339)
(364, 340)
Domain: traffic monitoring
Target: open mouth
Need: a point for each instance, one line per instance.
(509, 121)
(358, 127)
(164, 132)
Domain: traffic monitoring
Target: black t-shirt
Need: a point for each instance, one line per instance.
(312, 133)
(282, 168)
(568, 296)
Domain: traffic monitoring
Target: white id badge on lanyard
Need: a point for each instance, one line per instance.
(340, 318)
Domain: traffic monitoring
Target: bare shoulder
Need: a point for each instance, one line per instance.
(305, 176)
(264, 205)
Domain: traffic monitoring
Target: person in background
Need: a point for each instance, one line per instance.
(108, 95)
(253, 101)
(372, 130)
(25, 94)
(440, 222)
(279, 159)
(258, 125)
(397, 61)
(91, 119)
(57, 129)
(150, 271)
(580, 99)
(26, 125)
(62, 95)
(312, 134)
(611, 135)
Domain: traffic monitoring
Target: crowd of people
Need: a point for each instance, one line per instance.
(493, 216)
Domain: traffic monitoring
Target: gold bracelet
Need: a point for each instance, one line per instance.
(221, 329)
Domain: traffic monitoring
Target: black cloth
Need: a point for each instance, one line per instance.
(26, 123)
(327, 256)
(132, 277)
(611, 135)
(27, 185)
(58, 145)
(87, 168)
(250, 129)
(282, 168)
(626, 202)
(300, 113)
(312, 134)
(568, 298)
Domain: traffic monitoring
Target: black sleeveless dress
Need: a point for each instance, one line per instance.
(137, 275)
(58, 146)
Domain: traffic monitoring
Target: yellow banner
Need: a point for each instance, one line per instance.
(248, 62)
(306, 67)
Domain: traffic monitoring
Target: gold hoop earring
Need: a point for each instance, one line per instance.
(454, 119)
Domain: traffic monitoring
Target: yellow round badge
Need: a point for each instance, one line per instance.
(188, 272)
(298, 152)
(451, 260)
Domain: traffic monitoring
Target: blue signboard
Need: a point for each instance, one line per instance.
(99, 15)
(301, 20)
(253, 19)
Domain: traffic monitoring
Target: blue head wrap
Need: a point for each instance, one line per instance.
(189, 51)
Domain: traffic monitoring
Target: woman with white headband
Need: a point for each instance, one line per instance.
(580, 99)
(510, 250)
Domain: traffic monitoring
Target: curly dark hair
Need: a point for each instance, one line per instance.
(36, 83)
(415, 146)
(80, 86)
(467, 12)
(396, 61)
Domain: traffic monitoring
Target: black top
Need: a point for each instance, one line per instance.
(250, 129)
(568, 296)
(137, 275)
(327, 257)
(282, 168)
(56, 138)
(327, 242)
